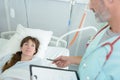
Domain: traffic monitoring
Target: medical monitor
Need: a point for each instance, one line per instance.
(50, 73)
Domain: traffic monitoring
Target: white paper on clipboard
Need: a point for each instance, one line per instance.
(50, 73)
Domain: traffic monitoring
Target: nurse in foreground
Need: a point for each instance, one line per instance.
(102, 58)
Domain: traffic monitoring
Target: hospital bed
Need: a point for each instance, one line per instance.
(11, 39)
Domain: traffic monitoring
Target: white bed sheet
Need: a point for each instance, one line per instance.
(2, 41)
(53, 52)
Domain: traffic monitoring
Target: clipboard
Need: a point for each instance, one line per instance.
(50, 73)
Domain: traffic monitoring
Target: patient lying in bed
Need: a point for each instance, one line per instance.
(16, 66)
(21, 69)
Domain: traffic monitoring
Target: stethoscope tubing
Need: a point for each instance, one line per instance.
(110, 52)
(111, 47)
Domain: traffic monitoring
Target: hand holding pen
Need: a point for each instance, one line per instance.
(62, 61)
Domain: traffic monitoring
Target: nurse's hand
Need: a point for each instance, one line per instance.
(62, 61)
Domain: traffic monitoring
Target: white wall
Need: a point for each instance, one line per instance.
(49, 15)
(3, 19)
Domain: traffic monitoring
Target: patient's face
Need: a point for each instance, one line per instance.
(28, 48)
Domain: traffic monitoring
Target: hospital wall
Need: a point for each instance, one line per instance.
(51, 15)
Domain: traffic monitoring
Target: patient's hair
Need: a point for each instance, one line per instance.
(17, 57)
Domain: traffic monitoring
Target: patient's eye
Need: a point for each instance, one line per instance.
(33, 45)
(26, 44)
(30, 44)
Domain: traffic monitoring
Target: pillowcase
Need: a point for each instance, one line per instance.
(43, 36)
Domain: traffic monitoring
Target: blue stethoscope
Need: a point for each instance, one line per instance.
(107, 44)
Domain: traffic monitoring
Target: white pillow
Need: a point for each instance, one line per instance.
(43, 36)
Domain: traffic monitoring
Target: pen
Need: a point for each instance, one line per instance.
(50, 59)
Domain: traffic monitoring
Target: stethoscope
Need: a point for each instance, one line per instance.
(110, 44)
